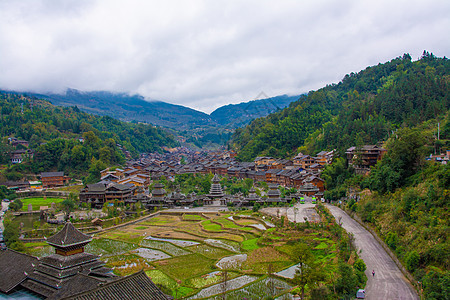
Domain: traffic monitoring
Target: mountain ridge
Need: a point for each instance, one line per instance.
(135, 108)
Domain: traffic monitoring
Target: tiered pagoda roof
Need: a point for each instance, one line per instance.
(216, 189)
(158, 192)
(58, 270)
(308, 189)
(252, 196)
(69, 238)
(14, 267)
(273, 195)
(139, 284)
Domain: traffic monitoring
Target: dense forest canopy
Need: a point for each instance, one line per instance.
(363, 108)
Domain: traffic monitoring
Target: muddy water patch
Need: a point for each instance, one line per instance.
(232, 262)
(150, 254)
(289, 272)
(221, 287)
(180, 243)
(228, 245)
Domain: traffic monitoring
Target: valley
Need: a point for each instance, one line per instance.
(228, 204)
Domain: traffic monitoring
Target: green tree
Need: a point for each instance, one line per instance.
(16, 205)
(11, 235)
(359, 265)
(392, 240)
(68, 205)
(347, 282)
(436, 284)
(309, 271)
(405, 156)
(94, 170)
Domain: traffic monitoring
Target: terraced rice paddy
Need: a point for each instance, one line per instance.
(260, 289)
(289, 272)
(187, 254)
(209, 251)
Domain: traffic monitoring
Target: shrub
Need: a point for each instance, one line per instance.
(412, 261)
(392, 240)
(360, 265)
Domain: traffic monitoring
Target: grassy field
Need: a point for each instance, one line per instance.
(209, 226)
(250, 244)
(38, 202)
(187, 266)
(187, 217)
(71, 188)
(210, 252)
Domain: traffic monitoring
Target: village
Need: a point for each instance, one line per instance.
(130, 184)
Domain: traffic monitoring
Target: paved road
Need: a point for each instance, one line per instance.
(3, 207)
(388, 282)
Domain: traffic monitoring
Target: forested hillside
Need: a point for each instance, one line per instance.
(64, 138)
(363, 108)
(406, 199)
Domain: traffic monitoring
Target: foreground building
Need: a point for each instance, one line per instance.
(69, 273)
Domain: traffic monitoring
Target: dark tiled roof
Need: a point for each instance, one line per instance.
(69, 235)
(13, 266)
(135, 286)
(96, 187)
(78, 284)
(120, 187)
(62, 262)
(52, 174)
(68, 267)
(38, 288)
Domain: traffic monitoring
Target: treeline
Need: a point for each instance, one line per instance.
(363, 108)
(64, 138)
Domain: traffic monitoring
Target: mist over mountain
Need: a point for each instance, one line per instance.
(131, 108)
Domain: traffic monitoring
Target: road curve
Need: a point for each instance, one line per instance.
(388, 282)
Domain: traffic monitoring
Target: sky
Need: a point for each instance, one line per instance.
(204, 54)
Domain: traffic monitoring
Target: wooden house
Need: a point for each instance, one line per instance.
(53, 179)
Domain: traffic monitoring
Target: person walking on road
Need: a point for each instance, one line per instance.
(373, 273)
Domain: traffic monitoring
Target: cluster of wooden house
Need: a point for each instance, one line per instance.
(300, 170)
(129, 185)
